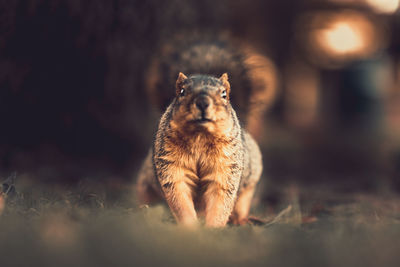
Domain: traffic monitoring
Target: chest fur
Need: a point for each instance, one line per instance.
(202, 155)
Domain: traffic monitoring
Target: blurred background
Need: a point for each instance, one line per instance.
(73, 102)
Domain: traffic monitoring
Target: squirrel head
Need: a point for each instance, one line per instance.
(221, 83)
(202, 102)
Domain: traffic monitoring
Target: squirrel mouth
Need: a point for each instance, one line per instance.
(202, 120)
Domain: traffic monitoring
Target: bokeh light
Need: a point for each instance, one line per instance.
(336, 38)
(341, 38)
(379, 6)
(384, 6)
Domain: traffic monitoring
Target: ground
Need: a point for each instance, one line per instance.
(100, 225)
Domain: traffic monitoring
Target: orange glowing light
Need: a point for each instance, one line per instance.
(384, 6)
(341, 38)
(336, 38)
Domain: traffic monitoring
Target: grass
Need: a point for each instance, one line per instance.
(100, 225)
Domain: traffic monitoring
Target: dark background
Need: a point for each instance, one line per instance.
(73, 102)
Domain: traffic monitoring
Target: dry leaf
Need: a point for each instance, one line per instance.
(2, 203)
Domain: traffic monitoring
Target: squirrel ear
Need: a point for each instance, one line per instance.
(179, 81)
(225, 83)
(224, 77)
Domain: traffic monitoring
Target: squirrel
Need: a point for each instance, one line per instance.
(202, 161)
(208, 165)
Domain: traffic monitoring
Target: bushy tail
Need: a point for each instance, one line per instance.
(264, 84)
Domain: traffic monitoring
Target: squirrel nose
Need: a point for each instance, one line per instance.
(202, 102)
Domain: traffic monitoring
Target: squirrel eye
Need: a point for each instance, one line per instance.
(182, 93)
(223, 94)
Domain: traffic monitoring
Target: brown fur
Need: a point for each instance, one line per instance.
(201, 155)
